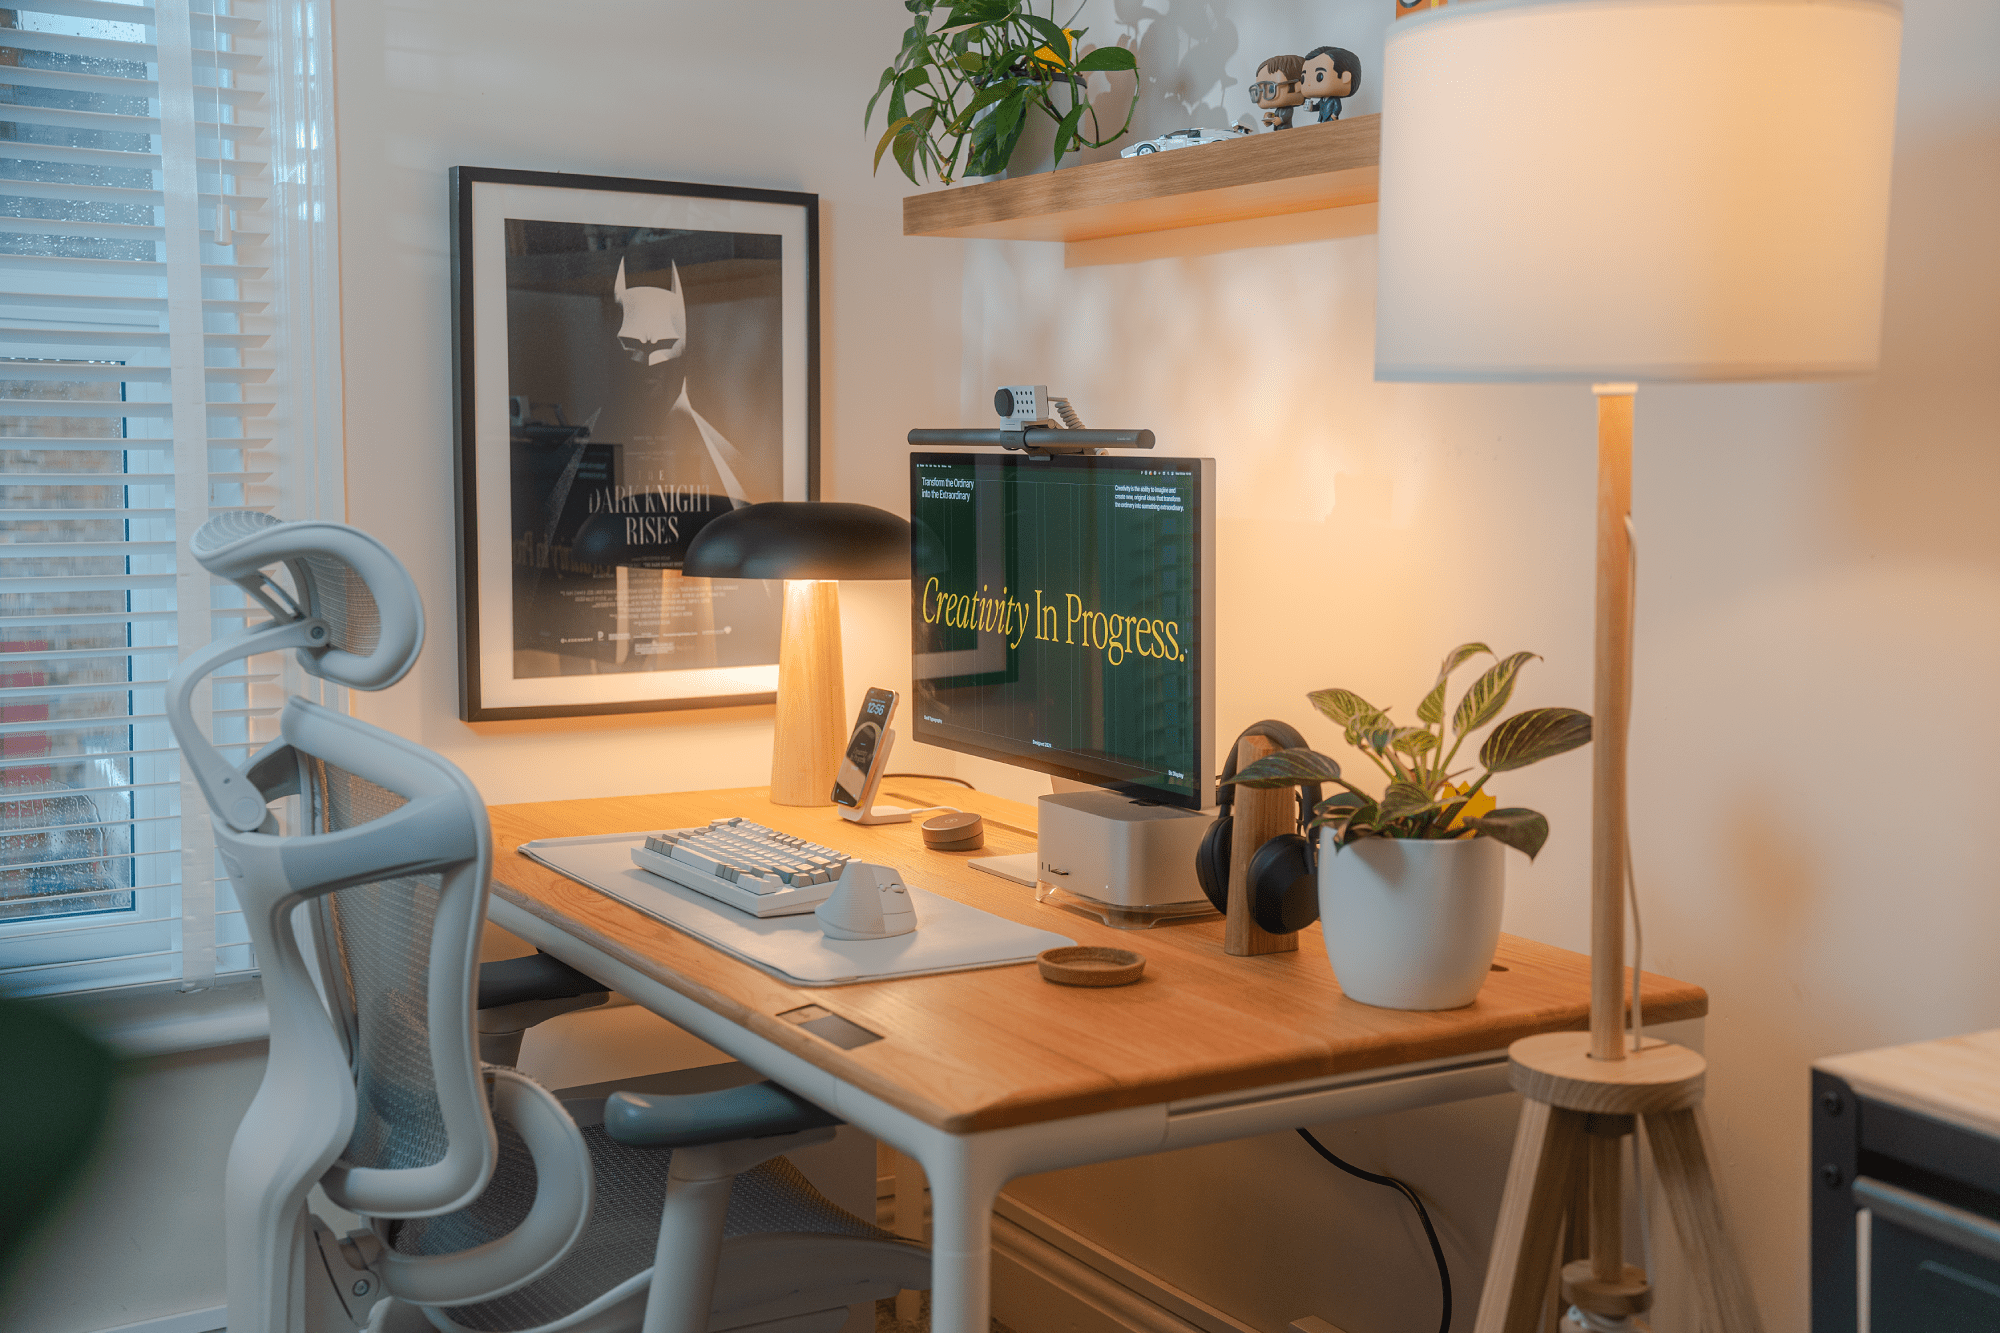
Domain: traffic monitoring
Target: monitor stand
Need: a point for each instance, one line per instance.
(1019, 868)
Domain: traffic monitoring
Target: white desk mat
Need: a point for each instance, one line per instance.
(950, 936)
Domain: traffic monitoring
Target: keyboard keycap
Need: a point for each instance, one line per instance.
(689, 856)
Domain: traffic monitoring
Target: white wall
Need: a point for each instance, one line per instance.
(1819, 604)
(760, 94)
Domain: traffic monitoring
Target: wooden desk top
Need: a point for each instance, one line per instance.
(981, 1050)
(1955, 1079)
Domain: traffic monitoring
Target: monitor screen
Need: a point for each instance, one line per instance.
(1061, 612)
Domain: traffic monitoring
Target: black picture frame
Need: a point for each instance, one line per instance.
(525, 243)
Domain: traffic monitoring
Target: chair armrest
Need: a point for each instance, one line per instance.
(756, 1111)
(536, 977)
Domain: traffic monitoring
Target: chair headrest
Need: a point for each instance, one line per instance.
(340, 575)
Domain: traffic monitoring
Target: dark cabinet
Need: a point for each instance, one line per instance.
(1905, 1217)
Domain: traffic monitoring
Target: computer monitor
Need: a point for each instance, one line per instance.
(1062, 613)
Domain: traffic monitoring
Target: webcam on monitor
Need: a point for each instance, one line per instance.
(1022, 406)
(1034, 421)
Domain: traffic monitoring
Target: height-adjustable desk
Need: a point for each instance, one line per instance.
(984, 1076)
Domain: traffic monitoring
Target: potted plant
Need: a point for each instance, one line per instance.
(1411, 882)
(967, 87)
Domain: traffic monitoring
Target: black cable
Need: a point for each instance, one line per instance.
(933, 777)
(1437, 1250)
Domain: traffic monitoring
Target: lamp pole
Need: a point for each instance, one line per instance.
(1611, 718)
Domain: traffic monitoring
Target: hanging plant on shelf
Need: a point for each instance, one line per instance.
(961, 94)
(1424, 799)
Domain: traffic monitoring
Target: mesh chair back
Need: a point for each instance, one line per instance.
(391, 857)
(376, 952)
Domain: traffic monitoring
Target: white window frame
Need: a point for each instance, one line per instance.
(306, 432)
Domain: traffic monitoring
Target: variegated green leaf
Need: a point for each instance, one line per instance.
(1404, 799)
(1458, 657)
(1342, 811)
(1341, 706)
(1530, 737)
(1489, 694)
(1523, 830)
(1376, 732)
(1289, 768)
(1414, 740)
(1432, 708)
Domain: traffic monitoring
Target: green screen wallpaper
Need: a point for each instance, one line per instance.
(1053, 613)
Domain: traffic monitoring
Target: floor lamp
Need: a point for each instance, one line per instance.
(1607, 192)
(810, 545)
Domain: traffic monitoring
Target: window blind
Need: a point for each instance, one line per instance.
(137, 398)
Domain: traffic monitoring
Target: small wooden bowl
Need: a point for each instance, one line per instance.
(1090, 965)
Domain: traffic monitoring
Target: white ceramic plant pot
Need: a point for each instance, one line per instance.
(1411, 924)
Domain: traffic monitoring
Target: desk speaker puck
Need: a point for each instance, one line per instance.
(1090, 965)
(958, 831)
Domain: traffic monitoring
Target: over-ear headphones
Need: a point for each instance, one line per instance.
(1282, 876)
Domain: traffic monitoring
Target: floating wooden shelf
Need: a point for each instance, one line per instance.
(1290, 171)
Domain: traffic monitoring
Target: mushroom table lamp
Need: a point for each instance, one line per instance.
(1607, 192)
(810, 545)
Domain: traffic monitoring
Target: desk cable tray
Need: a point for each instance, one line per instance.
(950, 936)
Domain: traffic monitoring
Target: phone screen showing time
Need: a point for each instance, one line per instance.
(864, 747)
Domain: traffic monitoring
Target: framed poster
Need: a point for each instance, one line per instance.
(633, 358)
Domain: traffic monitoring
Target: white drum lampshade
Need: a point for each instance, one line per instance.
(1635, 189)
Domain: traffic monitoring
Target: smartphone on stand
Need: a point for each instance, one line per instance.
(867, 752)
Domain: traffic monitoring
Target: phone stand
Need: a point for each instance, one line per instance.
(866, 811)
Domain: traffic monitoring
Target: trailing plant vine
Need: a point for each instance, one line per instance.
(966, 87)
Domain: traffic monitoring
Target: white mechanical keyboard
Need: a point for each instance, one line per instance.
(752, 868)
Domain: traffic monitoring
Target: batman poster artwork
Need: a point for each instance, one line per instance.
(644, 377)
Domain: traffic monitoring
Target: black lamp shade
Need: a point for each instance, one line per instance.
(816, 539)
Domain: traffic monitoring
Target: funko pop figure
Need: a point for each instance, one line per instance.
(1329, 74)
(1278, 90)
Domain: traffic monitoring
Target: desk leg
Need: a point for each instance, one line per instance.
(911, 1206)
(964, 1184)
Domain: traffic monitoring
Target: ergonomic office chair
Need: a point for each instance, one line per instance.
(491, 1205)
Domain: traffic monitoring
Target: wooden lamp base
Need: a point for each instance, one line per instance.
(808, 735)
(1562, 1197)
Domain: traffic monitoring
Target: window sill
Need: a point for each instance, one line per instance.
(142, 1022)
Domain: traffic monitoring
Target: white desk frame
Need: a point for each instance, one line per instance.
(968, 1171)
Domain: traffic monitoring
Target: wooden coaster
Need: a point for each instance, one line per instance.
(1090, 965)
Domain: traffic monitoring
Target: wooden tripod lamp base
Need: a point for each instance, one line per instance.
(1562, 1200)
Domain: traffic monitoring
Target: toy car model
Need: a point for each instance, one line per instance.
(1183, 139)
